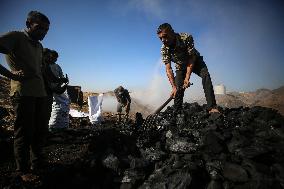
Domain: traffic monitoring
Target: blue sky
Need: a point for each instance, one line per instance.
(103, 44)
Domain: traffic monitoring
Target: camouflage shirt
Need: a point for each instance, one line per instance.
(183, 50)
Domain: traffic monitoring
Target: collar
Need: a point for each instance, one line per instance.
(27, 34)
(177, 42)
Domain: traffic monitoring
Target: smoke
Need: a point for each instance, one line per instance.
(155, 94)
(109, 103)
(159, 89)
(151, 8)
(151, 97)
(146, 100)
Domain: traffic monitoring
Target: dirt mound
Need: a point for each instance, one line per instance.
(261, 97)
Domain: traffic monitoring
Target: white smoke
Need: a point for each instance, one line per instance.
(155, 94)
(159, 89)
(109, 103)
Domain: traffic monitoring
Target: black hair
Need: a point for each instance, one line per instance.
(46, 51)
(54, 53)
(120, 88)
(164, 26)
(33, 16)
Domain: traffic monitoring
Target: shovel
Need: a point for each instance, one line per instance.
(151, 119)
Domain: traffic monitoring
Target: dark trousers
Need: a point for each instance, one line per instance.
(49, 101)
(30, 130)
(201, 70)
(121, 106)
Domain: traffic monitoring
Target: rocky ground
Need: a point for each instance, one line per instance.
(240, 148)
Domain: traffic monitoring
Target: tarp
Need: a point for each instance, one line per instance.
(95, 108)
(60, 111)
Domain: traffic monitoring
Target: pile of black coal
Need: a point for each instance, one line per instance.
(240, 148)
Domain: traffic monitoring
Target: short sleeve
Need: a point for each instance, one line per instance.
(8, 42)
(166, 56)
(190, 44)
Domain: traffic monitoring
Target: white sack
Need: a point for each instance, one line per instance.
(60, 111)
(95, 108)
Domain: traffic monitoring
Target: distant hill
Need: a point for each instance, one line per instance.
(261, 97)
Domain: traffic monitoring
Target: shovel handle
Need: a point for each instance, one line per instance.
(163, 105)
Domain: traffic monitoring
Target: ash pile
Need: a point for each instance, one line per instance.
(240, 148)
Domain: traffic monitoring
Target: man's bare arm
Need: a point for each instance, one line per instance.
(171, 78)
(170, 74)
(189, 68)
(8, 74)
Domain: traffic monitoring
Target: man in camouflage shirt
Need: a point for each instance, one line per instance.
(179, 48)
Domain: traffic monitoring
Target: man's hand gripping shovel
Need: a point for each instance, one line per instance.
(151, 119)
